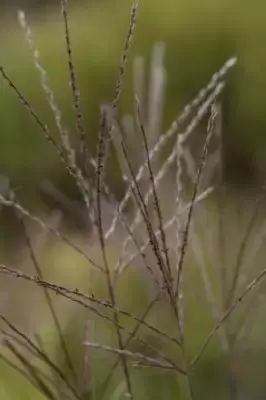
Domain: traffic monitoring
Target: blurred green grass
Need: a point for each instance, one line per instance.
(21, 389)
(199, 38)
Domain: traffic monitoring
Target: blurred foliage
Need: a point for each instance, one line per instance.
(30, 5)
(199, 37)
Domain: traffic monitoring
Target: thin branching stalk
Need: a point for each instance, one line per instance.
(123, 63)
(227, 314)
(140, 251)
(155, 195)
(105, 130)
(53, 380)
(166, 227)
(71, 168)
(43, 74)
(242, 249)
(237, 270)
(100, 159)
(143, 364)
(133, 334)
(64, 135)
(93, 195)
(108, 113)
(20, 371)
(184, 242)
(33, 371)
(208, 287)
(73, 80)
(153, 239)
(127, 353)
(246, 320)
(41, 355)
(12, 341)
(186, 112)
(201, 113)
(112, 297)
(20, 342)
(82, 300)
(130, 338)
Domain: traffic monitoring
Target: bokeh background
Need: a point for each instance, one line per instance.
(199, 36)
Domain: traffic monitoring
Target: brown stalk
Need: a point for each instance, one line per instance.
(175, 154)
(123, 63)
(82, 297)
(107, 120)
(153, 239)
(155, 195)
(99, 172)
(166, 226)
(73, 80)
(184, 242)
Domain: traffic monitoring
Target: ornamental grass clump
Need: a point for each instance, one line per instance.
(147, 254)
